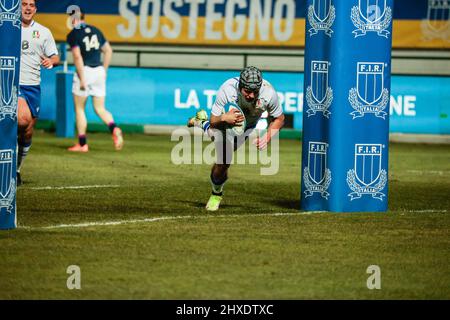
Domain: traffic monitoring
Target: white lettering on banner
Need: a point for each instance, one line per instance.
(291, 101)
(211, 17)
(410, 105)
(192, 100)
(129, 15)
(222, 19)
(177, 103)
(280, 6)
(403, 105)
(143, 26)
(262, 18)
(231, 19)
(193, 17)
(174, 17)
(210, 94)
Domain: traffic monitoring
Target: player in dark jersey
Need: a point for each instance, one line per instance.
(87, 44)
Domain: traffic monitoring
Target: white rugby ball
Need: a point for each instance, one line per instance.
(239, 128)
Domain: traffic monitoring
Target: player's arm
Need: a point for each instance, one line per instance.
(232, 117)
(50, 56)
(219, 119)
(107, 55)
(49, 62)
(275, 125)
(79, 65)
(55, 59)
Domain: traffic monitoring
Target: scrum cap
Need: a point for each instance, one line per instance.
(250, 79)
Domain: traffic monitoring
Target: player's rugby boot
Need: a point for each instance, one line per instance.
(79, 148)
(198, 120)
(213, 203)
(117, 138)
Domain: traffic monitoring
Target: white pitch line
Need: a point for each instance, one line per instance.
(133, 221)
(425, 211)
(440, 173)
(73, 187)
(165, 218)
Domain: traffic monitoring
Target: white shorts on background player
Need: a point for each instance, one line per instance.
(95, 82)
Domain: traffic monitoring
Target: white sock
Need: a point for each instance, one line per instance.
(22, 153)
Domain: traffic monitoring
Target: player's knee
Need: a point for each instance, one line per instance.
(24, 117)
(100, 112)
(98, 103)
(79, 110)
(23, 121)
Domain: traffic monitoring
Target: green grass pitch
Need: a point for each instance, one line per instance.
(245, 251)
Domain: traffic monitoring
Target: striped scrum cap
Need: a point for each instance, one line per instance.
(250, 79)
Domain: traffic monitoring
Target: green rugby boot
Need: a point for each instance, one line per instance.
(197, 121)
(213, 203)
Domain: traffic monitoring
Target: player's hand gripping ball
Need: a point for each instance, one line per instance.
(238, 128)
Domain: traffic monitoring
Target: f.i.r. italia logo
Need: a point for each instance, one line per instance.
(316, 175)
(10, 11)
(321, 16)
(8, 91)
(370, 95)
(437, 23)
(318, 94)
(367, 177)
(371, 16)
(7, 183)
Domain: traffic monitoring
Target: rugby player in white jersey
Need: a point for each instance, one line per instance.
(38, 50)
(254, 96)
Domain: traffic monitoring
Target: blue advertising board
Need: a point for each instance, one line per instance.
(418, 104)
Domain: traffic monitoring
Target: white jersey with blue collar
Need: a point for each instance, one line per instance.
(37, 42)
(267, 101)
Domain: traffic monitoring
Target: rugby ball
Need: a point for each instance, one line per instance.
(239, 128)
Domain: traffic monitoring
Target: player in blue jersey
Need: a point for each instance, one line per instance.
(87, 44)
(38, 51)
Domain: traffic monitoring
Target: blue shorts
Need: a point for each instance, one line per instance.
(32, 95)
